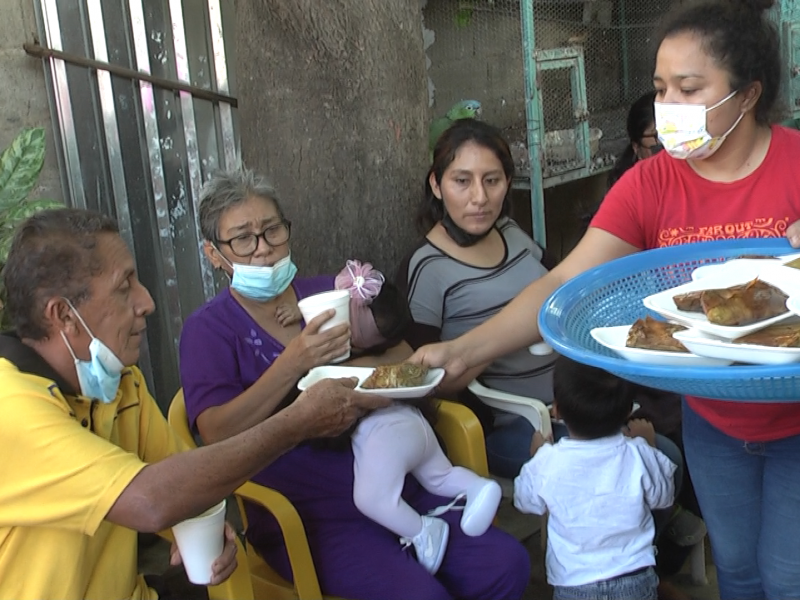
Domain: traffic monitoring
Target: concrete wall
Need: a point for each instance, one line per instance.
(23, 100)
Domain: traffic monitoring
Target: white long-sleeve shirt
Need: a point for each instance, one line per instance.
(599, 494)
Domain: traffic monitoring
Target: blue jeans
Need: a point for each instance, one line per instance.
(508, 447)
(640, 586)
(749, 493)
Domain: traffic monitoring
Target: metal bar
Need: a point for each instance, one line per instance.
(114, 152)
(535, 121)
(190, 135)
(581, 112)
(63, 107)
(552, 64)
(556, 180)
(230, 150)
(177, 86)
(156, 165)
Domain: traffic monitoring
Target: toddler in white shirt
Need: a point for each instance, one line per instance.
(599, 486)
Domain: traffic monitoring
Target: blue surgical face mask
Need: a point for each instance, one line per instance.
(99, 376)
(262, 283)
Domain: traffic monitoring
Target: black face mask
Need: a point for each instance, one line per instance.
(458, 235)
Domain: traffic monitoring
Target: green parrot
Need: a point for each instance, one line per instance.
(466, 109)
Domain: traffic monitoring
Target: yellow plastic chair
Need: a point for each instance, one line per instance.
(462, 435)
(265, 582)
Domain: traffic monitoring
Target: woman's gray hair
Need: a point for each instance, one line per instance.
(226, 189)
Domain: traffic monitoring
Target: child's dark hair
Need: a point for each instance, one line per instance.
(740, 38)
(392, 315)
(593, 403)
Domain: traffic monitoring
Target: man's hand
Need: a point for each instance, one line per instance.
(311, 348)
(444, 354)
(224, 566)
(641, 428)
(288, 314)
(793, 234)
(329, 407)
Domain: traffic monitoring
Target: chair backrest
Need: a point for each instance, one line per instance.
(179, 420)
(462, 435)
(262, 580)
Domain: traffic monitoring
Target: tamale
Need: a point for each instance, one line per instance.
(795, 264)
(396, 376)
(650, 334)
(777, 336)
(693, 302)
(689, 302)
(743, 305)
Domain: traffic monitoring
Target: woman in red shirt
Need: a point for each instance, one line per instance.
(726, 173)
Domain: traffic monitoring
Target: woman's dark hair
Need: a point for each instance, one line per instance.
(54, 253)
(593, 403)
(463, 131)
(641, 117)
(741, 40)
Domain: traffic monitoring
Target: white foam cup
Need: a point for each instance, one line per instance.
(339, 300)
(200, 541)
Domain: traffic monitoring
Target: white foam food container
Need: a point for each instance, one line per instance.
(785, 279)
(614, 338)
(317, 374)
(704, 344)
(743, 265)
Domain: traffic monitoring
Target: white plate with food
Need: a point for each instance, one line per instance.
(402, 381)
(757, 348)
(616, 339)
(730, 304)
(749, 266)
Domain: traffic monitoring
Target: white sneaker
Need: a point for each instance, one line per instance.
(481, 507)
(430, 544)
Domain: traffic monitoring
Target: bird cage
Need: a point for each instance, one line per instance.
(558, 76)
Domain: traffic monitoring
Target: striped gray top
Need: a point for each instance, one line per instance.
(452, 297)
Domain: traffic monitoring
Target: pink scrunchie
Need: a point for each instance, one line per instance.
(362, 280)
(364, 284)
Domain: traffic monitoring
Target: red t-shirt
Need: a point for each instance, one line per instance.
(662, 201)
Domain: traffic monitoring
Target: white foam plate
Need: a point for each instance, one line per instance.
(614, 339)
(705, 345)
(793, 304)
(743, 265)
(317, 374)
(785, 279)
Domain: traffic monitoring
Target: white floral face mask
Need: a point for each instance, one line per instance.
(682, 129)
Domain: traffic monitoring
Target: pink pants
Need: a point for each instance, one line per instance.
(388, 444)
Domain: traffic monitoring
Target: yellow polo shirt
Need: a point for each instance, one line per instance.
(64, 461)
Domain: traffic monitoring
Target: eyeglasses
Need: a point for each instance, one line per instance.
(274, 235)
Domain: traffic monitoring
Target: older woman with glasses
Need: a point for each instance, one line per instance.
(241, 358)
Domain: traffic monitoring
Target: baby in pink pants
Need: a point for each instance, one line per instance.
(392, 442)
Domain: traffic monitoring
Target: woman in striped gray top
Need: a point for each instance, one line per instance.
(473, 261)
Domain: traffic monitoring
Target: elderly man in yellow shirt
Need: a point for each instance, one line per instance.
(87, 457)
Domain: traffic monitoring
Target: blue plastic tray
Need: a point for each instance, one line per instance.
(612, 294)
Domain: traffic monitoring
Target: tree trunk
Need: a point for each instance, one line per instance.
(333, 104)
